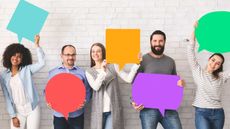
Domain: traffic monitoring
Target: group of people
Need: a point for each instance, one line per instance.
(102, 87)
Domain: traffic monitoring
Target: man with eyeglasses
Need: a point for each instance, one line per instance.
(75, 119)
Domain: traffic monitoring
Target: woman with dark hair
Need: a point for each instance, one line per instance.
(209, 113)
(20, 94)
(106, 106)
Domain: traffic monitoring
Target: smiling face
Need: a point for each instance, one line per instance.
(96, 53)
(16, 59)
(157, 44)
(214, 63)
(68, 56)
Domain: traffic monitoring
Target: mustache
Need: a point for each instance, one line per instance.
(157, 52)
(158, 46)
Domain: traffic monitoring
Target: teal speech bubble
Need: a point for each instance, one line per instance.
(27, 20)
(213, 32)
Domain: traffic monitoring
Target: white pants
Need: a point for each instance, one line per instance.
(29, 120)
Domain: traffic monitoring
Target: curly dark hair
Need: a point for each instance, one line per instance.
(11, 50)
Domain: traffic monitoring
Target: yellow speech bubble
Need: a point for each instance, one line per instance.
(122, 46)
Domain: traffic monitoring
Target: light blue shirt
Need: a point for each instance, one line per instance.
(78, 72)
(25, 74)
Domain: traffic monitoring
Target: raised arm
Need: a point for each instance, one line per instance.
(41, 56)
(191, 52)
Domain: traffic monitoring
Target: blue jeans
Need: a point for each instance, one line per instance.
(71, 123)
(209, 118)
(151, 117)
(107, 120)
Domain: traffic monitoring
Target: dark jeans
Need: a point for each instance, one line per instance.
(151, 117)
(71, 123)
(209, 118)
(107, 120)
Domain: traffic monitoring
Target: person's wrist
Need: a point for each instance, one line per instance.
(131, 101)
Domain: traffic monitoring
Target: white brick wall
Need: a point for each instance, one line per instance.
(83, 22)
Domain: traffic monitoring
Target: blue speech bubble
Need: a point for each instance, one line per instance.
(157, 91)
(27, 20)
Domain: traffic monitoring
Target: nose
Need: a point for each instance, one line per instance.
(214, 65)
(15, 58)
(157, 43)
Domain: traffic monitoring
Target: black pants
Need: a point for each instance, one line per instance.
(71, 123)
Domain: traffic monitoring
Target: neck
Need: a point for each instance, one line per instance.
(155, 56)
(68, 66)
(208, 70)
(98, 64)
(14, 69)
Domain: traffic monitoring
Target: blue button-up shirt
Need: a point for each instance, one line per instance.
(80, 74)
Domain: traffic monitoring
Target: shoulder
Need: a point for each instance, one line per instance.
(145, 56)
(4, 73)
(80, 70)
(168, 58)
(89, 70)
(54, 70)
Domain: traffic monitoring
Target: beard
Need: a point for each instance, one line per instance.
(158, 52)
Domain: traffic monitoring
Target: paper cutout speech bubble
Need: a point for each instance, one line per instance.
(27, 20)
(65, 93)
(213, 32)
(157, 91)
(122, 46)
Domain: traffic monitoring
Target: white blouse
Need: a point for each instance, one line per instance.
(19, 96)
(96, 83)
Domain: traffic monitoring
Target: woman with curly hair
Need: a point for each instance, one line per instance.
(18, 88)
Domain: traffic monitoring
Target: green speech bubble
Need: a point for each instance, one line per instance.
(213, 32)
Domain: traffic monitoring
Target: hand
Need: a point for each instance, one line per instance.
(82, 105)
(181, 83)
(16, 122)
(36, 40)
(49, 105)
(140, 56)
(104, 64)
(137, 107)
(195, 24)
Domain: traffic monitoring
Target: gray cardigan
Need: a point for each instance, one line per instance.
(110, 84)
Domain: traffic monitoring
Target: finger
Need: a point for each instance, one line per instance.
(17, 124)
(142, 108)
(139, 107)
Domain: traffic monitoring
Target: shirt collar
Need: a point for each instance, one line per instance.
(63, 67)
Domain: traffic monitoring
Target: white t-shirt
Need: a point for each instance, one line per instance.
(19, 96)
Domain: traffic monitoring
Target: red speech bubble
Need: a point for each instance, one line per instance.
(65, 93)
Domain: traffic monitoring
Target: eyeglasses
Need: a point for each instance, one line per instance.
(68, 55)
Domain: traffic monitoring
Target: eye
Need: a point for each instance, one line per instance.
(218, 63)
